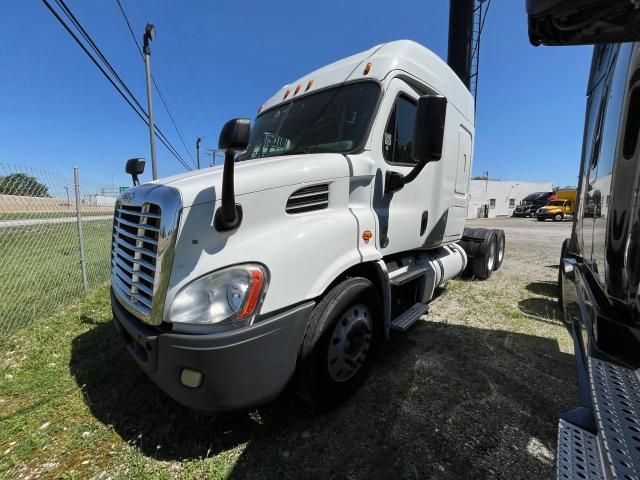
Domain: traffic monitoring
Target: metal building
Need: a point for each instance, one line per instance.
(498, 198)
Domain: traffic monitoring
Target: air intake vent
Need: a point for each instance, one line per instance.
(308, 199)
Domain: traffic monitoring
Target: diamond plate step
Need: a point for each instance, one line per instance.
(616, 399)
(409, 317)
(578, 454)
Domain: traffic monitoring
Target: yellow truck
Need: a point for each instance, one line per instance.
(557, 209)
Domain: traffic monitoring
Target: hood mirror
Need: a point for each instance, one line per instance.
(135, 167)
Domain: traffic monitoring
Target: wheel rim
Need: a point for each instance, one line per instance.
(492, 256)
(501, 250)
(350, 343)
(558, 217)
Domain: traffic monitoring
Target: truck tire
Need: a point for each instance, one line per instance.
(484, 262)
(500, 247)
(541, 219)
(558, 217)
(342, 335)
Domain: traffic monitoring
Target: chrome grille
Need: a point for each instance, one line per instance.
(134, 253)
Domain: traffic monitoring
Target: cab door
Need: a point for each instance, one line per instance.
(402, 214)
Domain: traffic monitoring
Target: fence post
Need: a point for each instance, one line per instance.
(83, 261)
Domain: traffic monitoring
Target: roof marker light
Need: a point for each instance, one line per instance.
(309, 83)
(367, 68)
(298, 87)
(286, 94)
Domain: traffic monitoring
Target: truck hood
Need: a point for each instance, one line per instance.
(205, 185)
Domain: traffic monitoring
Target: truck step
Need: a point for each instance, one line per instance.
(403, 321)
(616, 401)
(397, 279)
(578, 454)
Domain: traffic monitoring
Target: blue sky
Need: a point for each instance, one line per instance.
(223, 59)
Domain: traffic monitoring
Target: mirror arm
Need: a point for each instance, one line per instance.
(395, 181)
(229, 215)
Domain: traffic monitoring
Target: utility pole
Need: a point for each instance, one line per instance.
(213, 153)
(486, 185)
(198, 152)
(149, 35)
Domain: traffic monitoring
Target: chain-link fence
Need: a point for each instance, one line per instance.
(55, 237)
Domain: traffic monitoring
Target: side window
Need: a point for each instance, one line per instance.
(398, 135)
(512, 202)
(492, 203)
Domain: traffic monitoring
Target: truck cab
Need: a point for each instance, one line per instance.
(335, 217)
(530, 204)
(560, 207)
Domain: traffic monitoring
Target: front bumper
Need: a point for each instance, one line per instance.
(524, 213)
(240, 368)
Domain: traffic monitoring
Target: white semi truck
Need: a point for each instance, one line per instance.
(336, 216)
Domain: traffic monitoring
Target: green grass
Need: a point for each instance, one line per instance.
(6, 216)
(40, 268)
(62, 410)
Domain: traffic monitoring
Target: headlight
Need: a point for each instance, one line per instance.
(227, 296)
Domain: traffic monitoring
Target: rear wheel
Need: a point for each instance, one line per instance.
(336, 353)
(541, 219)
(500, 246)
(483, 264)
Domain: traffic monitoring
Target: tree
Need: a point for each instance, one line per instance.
(23, 185)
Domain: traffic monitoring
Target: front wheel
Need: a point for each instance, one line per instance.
(343, 331)
(558, 217)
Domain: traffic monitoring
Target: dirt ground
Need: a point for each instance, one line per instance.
(473, 390)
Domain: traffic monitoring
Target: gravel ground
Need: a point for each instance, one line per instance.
(474, 390)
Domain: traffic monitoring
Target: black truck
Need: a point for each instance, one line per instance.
(599, 272)
(530, 204)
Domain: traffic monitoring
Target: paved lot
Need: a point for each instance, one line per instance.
(473, 390)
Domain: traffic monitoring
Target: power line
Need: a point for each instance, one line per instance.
(164, 103)
(96, 49)
(124, 91)
(183, 101)
(184, 57)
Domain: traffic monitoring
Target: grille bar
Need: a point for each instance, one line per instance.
(136, 231)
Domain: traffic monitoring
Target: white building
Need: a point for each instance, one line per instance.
(500, 196)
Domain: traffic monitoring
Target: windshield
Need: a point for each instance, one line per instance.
(556, 203)
(332, 120)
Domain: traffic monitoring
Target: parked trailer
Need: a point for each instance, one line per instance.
(335, 218)
(599, 272)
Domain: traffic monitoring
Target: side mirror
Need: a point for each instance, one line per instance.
(428, 132)
(135, 167)
(581, 22)
(428, 137)
(234, 138)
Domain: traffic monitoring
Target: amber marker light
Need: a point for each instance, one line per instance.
(286, 94)
(309, 83)
(367, 235)
(255, 289)
(367, 68)
(298, 87)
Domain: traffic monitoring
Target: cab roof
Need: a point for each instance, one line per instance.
(400, 58)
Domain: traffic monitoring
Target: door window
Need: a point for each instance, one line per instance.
(398, 136)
